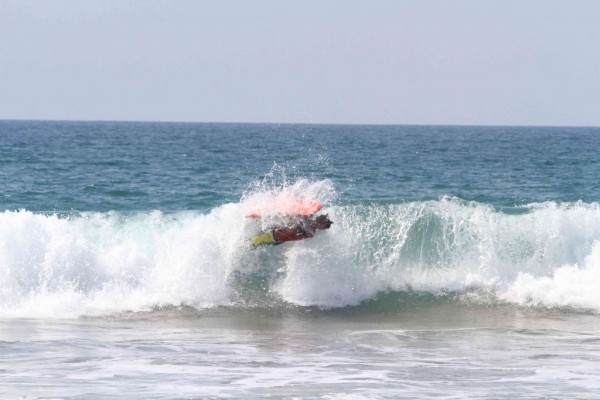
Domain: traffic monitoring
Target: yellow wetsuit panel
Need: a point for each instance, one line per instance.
(264, 238)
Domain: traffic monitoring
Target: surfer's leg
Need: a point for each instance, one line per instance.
(267, 237)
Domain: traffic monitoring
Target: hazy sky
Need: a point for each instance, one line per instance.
(397, 62)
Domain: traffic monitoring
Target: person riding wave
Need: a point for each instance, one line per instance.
(303, 230)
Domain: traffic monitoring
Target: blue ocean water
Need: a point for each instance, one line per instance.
(125, 260)
(102, 166)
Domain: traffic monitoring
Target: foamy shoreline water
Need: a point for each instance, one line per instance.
(441, 350)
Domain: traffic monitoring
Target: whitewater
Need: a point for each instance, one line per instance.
(463, 262)
(101, 263)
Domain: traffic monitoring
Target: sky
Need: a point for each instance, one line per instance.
(470, 62)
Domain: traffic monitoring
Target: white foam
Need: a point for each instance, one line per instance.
(570, 285)
(99, 263)
(542, 257)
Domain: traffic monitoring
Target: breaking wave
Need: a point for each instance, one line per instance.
(64, 266)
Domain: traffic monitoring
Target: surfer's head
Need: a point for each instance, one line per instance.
(322, 222)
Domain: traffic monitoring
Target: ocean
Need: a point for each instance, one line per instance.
(463, 262)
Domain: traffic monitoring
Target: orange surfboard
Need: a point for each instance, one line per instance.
(302, 207)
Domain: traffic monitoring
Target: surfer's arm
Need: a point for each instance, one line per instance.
(306, 231)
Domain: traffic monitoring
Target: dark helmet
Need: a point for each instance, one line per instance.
(323, 221)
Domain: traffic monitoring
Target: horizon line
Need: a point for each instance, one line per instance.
(289, 123)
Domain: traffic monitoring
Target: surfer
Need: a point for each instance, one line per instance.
(305, 229)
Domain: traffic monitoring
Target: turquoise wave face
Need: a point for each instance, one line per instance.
(374, 257)
(91, 166)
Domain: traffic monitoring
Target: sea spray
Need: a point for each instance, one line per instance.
(270, 197)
